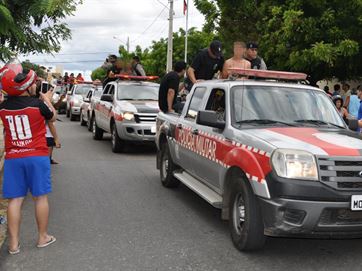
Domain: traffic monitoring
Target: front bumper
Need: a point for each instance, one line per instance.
(141, 132)
(309, 209)
(311, 219)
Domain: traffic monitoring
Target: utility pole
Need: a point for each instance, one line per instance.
(187, 29)
(127, 44)
(170, 41)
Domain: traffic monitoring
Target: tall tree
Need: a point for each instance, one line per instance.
(33, 26)
(322, 38)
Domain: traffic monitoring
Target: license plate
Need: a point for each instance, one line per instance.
(356, 203)
(153, 129)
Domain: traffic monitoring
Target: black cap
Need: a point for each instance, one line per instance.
(216, 48)
(252, 45)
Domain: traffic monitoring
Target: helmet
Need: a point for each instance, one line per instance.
(14, 80)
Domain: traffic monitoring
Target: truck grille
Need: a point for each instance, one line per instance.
(143, 117)
(341, 173)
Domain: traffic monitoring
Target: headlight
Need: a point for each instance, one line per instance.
(295, 164)
(128, 116)
(77, 102)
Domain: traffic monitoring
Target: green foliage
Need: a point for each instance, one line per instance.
(154, 58)
(322, 38)
(99, 74)
(31, 66)
(33, 26)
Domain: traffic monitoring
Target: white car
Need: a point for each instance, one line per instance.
(75, 98)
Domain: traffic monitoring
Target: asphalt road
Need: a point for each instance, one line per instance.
(110, 212)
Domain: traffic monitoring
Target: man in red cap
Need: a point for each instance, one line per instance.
(27, 164)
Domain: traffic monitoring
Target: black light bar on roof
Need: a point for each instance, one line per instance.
(136, 78)
(296, 76)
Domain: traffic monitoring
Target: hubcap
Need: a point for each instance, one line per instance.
(114, 136)
(94, 127)
(238, 213)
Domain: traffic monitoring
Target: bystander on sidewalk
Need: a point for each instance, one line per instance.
(3, 203)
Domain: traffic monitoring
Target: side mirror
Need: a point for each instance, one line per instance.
(210, 118)
(69, 92)
(353, 124)
(107, 98)
(87, 100)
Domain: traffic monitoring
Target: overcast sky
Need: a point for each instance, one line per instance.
(96, 22)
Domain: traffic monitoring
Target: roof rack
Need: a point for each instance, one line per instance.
(268, 74)
(136, 78)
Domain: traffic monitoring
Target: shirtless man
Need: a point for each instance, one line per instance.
(237, 61)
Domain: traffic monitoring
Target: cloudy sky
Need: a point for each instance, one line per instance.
(96, 23)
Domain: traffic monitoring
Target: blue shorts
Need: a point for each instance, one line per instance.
(24, 174)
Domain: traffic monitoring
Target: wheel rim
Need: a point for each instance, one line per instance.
(238, 213)
(164, 167)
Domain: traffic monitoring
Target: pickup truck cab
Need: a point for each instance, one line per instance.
(127, 109)
(276, 157)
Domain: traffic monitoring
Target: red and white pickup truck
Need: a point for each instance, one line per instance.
(127, 109)
(274, 155)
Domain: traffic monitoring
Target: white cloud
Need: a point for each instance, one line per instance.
(96, 22)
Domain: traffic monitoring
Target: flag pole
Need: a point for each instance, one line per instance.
(187, 28)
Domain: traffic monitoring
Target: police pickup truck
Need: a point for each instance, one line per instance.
(127, 109)
(273, 154)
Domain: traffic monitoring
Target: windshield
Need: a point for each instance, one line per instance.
(82, 90)
(282, 105)
(137, 92)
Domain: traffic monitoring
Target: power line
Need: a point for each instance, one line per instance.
(81, 53)
(63, 62)
(148, 27)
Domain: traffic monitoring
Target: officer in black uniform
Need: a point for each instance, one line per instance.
(251, 54)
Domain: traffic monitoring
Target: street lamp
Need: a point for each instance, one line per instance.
(125, 43)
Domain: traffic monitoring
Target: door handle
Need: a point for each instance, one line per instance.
(179, 126)
(195, 132)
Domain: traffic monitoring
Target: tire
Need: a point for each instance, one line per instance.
(68, 113)
(72, 117)
(97, 132)
(90, 123)
(117, 142)
(245, 219)
(167, 167)
(82, 121)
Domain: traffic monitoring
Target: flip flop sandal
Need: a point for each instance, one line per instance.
(14, 252)
(51, 241)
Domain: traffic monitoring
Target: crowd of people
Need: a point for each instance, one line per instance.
(209, 63)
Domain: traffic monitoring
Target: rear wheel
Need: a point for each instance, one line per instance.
(117, 142)
(97, 132)
(246, 222)
(90, 123)
(82, 121)
(167, 167)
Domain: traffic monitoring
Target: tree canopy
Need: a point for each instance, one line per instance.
(33, 26)
(322, 38)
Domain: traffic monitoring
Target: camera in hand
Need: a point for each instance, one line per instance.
(45, 87)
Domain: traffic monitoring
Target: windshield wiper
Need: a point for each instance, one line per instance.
(318, 122)
(264, 121)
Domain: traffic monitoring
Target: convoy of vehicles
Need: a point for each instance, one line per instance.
(273, 154)
(275, 157)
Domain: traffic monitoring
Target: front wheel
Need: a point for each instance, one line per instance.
(246, 222)
(117, 142)
(67, 113)
(90, 123)
(97, 132)
(72, 116)
(167, 168)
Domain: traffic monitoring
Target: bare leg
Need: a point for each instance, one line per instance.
(14, 218)
(42, 217)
